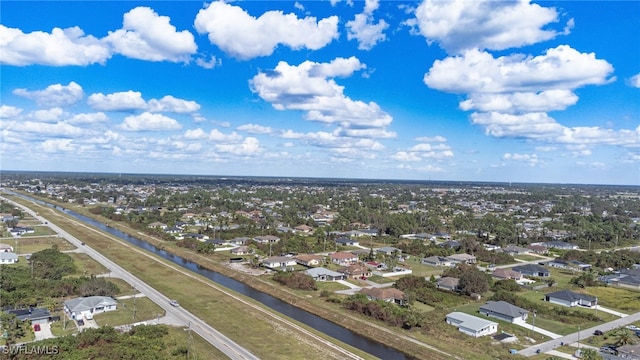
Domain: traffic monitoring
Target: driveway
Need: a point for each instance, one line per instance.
(44, 333)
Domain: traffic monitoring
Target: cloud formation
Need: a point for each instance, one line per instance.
(149, 122)
(364, 29)
(310, 87)
(243, 36)
(54, 95)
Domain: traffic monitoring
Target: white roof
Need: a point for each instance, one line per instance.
(322, 271)
(470, 322)
(88, 303)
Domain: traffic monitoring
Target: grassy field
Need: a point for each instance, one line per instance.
(26, 245)
(86, 266)
(620, 299)
(145, 309)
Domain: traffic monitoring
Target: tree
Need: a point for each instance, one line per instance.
(473, 281)
(589, 354)
(12, 328)
(52, 264)
(623, 336)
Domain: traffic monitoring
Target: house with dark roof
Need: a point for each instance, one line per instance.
(34, 315)
(355, 271)
(570, 299)
(472, 325)
(532, 270)
(345, 241)
(515, 250)
(561, 245)
(462, 258)
(504, 311)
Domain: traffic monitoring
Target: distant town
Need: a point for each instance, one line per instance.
(418, 269)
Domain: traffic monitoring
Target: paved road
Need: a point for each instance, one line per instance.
(580, 335)
(211, 335)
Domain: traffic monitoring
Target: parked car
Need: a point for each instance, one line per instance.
(174, 303)
(609, 349)
(36, 327)
(88, 316)
(598, 333)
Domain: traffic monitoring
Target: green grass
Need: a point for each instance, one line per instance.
(58, 328)
(527, 257)
(31, 245)
(125, 287)
(330, 286)
(615, 298)
(86, 266)
(145, 309)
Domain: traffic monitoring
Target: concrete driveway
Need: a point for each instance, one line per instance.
(44, 333)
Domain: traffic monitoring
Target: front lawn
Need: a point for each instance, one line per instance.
(32, 245)
(145, 309)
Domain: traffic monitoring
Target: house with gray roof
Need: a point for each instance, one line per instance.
(472, 325)
(532, 270)
(570, 298)
(34, 315)
(8, 257)
(504, 311)
(324, 274)
(79, 307)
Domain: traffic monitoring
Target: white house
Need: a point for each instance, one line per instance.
(279, 262)
(570, 298)
(8, 257)
(472, 325)
(79, 307)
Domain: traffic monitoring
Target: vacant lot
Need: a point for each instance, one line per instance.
(26, 245)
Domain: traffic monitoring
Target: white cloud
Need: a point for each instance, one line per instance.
(298, 6)
(548, 100)
(406, 156)
(171, 104)
(364, 29)
(305, 87)
(209, 64)
(560, 68)
(217, 136)
(243, 36)
(195, 134)
(249, 146)
(88, 118)
(54, 95)
(48, 115)
(149, 122)
(58, 145)
(459, 25)
(255, 129)
(635, 81)
(58, 48)
(119, 101)
(8, 112)
(427, 139)
(376, 133)
(529, 159)
(147, 36)
(58, 129)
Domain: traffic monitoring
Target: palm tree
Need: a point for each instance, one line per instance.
(589, 354)
(623, 336)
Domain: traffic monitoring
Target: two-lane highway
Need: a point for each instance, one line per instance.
(211, 335)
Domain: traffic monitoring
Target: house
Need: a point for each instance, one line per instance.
(472, 325)
(309, 259)
(6, 248)
(266, 239)
(239, 241)
(388, 250)
(570, 298)
(629, 278)
(504, 311)
(304, 229)
(448, 283)
(437, 261)
(373, 265)
(157, 225)
(79, 307)
(560, 245)
(387, 294)
(355, 271)
(241, 250)
(279, 262)
(515, 250)
(343, 258)
(8, 258)
(323, 274)
(532, 270)
(462, 258)
(505, 274)
(538, 249)
(347, 241)
(450, 244)
(34, 315)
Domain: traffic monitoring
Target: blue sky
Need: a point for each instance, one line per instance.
(518, 91)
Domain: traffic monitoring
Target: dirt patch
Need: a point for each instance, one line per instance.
(247, 269)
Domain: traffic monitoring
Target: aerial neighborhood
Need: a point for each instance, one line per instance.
(516, 269)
